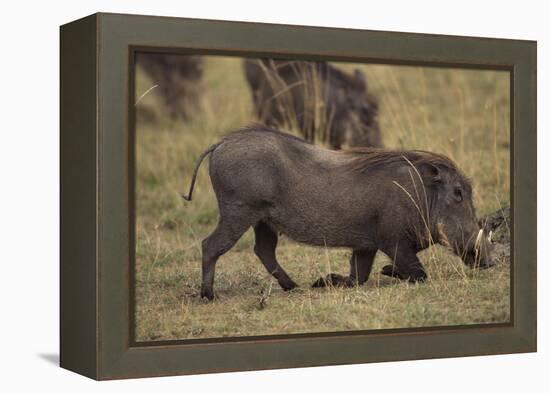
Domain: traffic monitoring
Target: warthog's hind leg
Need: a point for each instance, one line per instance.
(214, 246)
(266, 243)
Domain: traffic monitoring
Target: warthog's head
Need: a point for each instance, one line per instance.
(455, 217)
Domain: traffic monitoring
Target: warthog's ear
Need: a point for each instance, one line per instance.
(431, 174)
(360, 79)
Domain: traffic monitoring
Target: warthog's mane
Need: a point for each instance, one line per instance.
(366, 159)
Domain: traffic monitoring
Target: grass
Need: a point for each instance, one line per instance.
(461, 113)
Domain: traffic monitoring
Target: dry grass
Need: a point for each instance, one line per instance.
(461, 113)
(317, 117)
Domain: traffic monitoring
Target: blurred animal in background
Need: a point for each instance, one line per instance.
(175, 78)
(324, 103)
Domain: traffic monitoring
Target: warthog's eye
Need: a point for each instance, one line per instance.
(457, 193)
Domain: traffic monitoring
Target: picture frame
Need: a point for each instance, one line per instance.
(97, 196)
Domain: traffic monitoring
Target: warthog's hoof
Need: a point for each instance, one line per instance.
(333, 280)
(415, 275)
(390, 271)
(288, 285)
(207, 293)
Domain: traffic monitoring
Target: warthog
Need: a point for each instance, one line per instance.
(398, 202)
(323, 102)
(175, 76)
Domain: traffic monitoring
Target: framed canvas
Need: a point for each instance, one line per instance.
(370, 196)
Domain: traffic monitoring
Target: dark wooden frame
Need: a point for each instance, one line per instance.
(97, 196)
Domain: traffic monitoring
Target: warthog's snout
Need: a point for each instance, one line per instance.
(475, 262)
(479, 255)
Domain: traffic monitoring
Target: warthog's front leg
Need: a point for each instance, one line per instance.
(361, 265)
(360, 268)
(406, 266)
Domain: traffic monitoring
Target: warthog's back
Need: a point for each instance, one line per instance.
(303, 190)
(263, 162)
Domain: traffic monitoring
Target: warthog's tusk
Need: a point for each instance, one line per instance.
(477, 244)
(478, 238)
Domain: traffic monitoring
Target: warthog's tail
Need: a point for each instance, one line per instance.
(202, 156)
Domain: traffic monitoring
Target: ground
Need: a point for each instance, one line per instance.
(461, 113)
